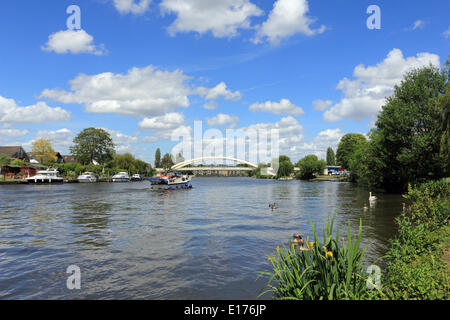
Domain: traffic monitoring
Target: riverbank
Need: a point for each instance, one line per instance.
(418, 260)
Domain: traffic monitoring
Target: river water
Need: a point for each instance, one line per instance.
(209, 242)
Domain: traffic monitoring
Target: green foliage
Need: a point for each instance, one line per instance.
(331, 157)
(93, 145)
(415, 267)
(166, 161)
(309, 166)
(158, 158)
(408, 134)
(127, 163)
(18, 163)
(285, 166)
(347, 146)
(328, 270)
(4, 159)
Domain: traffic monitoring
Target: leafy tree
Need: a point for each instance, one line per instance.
(166, 161)
(409, 131)
(18, 162)
(444, 125)
(285, 166)
(91, 145)
(158, 158)
(43, 151)
(331, 157)
(310, 166)
(347, 146)
(4, 159)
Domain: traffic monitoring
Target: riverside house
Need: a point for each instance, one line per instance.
(15, 152)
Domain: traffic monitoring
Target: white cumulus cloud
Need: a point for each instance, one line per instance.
(321, 105)
(287, 18)
(222, 18)
(365, 95)
(73, 41)
(141, 92)
(40, 112)
(132, 6)
(219, 91)
(283, 107)
(221, 119)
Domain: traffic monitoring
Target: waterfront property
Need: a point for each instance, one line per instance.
(15, 152)
(12, 172)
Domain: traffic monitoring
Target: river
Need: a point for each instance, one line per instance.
(205, 243)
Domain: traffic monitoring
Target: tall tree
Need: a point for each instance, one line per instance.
(43, 151)
(166, 161)
(285, 166)
(331, 157)
(409, 132)
(309, 166)
(347, 146)
(158, 158)
(91, 145)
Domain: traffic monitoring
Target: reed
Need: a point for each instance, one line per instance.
(329, 269)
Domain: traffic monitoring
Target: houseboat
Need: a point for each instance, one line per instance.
(47, 176)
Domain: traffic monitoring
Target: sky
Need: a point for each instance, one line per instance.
(147, 70)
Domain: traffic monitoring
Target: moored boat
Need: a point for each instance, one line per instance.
(136, 177)
(171, 181)
(45, 177)
(87, 177)
(121, 177)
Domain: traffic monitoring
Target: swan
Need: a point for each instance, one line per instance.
(371, 197)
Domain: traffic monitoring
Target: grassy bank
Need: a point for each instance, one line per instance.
(417, 263)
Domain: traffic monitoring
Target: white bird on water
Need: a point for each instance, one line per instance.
(371, 197)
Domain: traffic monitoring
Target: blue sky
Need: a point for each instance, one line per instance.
(145, 69)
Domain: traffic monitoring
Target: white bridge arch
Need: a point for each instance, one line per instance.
(185, 163)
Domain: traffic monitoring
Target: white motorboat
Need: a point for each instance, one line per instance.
(87, 177)
(136, 177)
(171, 181)
(46, 176)
(121, 177)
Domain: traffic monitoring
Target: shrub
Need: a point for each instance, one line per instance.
(328, 270)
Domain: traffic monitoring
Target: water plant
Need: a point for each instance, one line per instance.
(324, 270)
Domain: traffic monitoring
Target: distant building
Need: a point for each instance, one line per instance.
(59, 158)
(68, 159)
(15, 152)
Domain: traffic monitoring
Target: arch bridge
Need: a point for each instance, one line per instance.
(186, 165)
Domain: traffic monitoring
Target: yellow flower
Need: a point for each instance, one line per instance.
(270, 259)
(311, 243)
(329, 254)
(278, 248)
(324, 248)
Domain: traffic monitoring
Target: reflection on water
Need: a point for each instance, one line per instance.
(204, 243)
